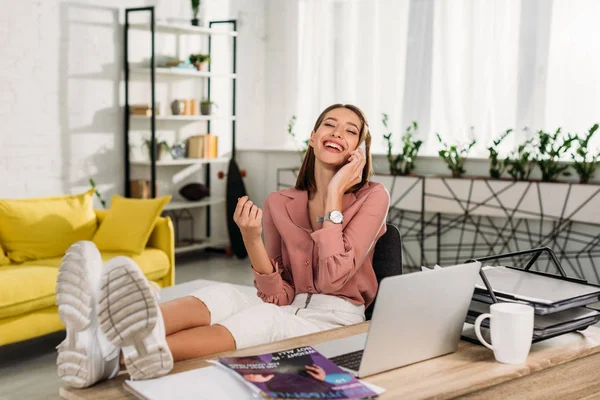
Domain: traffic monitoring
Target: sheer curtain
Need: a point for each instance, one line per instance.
(452, 65)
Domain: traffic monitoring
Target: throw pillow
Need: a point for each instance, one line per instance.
(128, 224)
(194, 191)
(45, 227)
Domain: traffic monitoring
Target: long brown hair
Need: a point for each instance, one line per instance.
(306, 176)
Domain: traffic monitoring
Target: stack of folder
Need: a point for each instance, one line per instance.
(560, 303)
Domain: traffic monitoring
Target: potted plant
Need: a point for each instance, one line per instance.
(290, 129)
(497, 166)
(403, 163)
(162, 149)
(199, 60)
(206, 107)
(549, 150)
(584, 162)
(454, 156)
(195, 12)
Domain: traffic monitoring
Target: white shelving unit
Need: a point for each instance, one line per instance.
(182, 73)
(166, 27)
(185, 118)
(178, 208)
(182, 205)
(182, 162)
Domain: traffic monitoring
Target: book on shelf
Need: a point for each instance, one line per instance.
(203, 146)
(297, 373)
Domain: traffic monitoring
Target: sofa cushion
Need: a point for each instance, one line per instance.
(154, 263)
(4, 260)
(31, 286)
(26, 288)
(45, 227)
(129, 223)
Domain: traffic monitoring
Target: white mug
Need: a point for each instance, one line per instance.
(511, 328)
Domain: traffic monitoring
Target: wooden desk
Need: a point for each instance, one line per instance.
(566, 367)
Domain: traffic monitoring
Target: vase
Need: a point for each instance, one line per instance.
(177, 107)
(206, 108)
(195, 22)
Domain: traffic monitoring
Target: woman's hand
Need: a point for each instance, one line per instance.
(316, 372)
(350, 174)
(249, 219)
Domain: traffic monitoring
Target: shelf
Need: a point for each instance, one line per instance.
(183, 161)
(182, 72)
(179, 28)
(183, 204)
(199, 246)
(183, 118)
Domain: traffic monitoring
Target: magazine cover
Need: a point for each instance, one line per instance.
(300, 373)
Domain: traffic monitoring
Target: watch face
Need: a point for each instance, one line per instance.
(336, 217)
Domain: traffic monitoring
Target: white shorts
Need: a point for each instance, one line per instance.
(252, 321)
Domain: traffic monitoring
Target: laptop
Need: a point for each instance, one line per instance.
(416, 317)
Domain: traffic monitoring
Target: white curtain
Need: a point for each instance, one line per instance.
(452, 65)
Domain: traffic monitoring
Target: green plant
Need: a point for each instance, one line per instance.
(584, 162)
(403, 163)
(290, 129)
(497, 166)
(454, 156)
(519, 163)
(206, 101)
(160, 145)
(549, 150)
(199, 58)
(195, 7)
(98, 195)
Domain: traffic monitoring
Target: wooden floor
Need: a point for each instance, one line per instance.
(35, 361)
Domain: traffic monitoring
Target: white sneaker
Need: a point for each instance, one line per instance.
(84, 357)
(131, 319)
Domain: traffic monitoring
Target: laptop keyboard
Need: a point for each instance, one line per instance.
(349, 360)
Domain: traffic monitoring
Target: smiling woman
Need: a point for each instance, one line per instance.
(339, 130)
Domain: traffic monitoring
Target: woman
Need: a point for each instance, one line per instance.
(312, 273)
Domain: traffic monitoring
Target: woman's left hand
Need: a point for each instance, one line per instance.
(350, 174)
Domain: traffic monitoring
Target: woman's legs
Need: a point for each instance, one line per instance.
(184, 313)
(200, 341)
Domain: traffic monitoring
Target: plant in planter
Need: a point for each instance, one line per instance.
(454, 156)
(549, 149)
(207, 107)
(519, 163)
(195, 11)
(198, 60)
(97, 193)
(497, 166)
(584, 162)
(403, 163)
(290, 129)
(162, 148)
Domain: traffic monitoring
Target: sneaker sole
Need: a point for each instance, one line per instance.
(128, 313)
(76, 309)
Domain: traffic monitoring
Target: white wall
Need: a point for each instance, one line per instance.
(61, 88)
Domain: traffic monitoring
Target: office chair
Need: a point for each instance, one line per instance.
(387, 258)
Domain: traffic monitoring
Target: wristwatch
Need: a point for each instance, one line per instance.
(334, 216)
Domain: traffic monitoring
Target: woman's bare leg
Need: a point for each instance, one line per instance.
(200, 341)
(184, 313)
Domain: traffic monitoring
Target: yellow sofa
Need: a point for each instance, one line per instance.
(27, 290)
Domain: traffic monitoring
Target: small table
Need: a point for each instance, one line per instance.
(565, 367)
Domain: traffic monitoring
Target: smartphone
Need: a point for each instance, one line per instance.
(363, 147)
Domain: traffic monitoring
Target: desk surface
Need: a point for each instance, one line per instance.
(562, 367)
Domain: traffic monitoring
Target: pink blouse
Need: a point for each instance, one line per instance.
(335, 261)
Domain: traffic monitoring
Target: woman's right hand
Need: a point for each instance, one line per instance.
(248, 218)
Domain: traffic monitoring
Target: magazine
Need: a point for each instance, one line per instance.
(300, 373)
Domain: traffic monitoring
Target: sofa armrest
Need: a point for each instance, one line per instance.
(162, 238)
